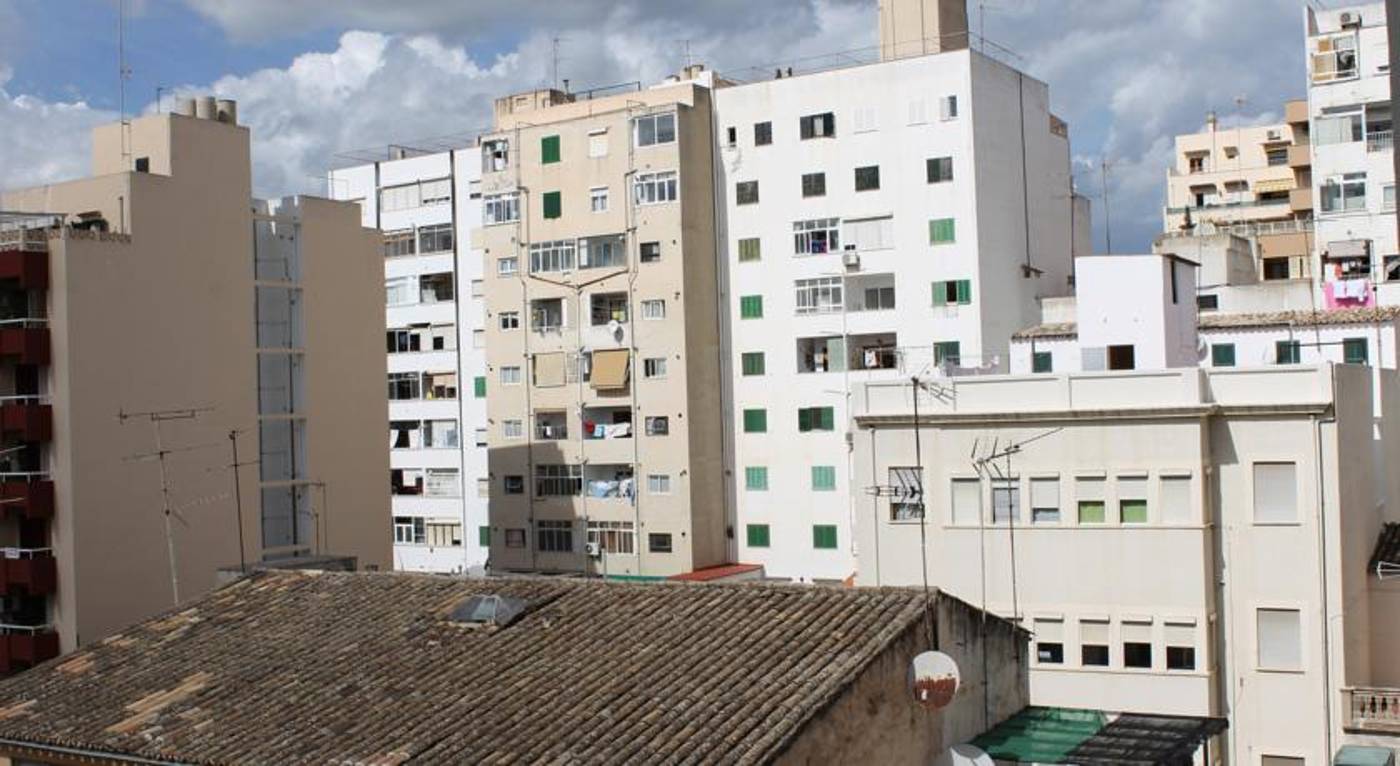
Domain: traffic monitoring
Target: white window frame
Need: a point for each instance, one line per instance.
(658, 484)
(654, 368)
(1352, 202)
(598, 199)
(653, 309)
(555, 256)
(597, 143)
(657, 121)
(512, 429)
(510, 375)
(656, 188)
(804, 236)
(500, 208)
(509, 320)
(507, 266)
(819, 295)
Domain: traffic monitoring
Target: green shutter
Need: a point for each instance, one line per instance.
(755, 421)
(753, 363)
(964, 288)
(823, 478)
(1041, 361)
(826, 418)
(756, 478)
(804, 420)
(553, 205)
(750, 249)
(1091, 512)
(485, 537)
(1132, 511)
(947, 351)
(751, 307)
(549, 150)
(824, 536)
(940, 294)
(479, 386)
(758, 535)
(1286, 352)
(1222, 355)
(1354, 351)
(941, 231)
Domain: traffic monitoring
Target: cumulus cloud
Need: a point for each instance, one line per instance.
(44, 141)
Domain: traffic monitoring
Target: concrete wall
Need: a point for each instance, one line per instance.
(1157, 317)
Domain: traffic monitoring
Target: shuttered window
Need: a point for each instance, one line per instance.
(549, 150)
(941, 231)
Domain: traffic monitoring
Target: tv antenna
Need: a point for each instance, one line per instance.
(123, 74)
(556, 58)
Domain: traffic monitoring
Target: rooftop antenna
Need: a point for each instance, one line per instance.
(554, 71)
(685, 46)
(123, 74)
(1107, 216)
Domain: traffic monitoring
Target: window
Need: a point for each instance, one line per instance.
(549, 150)
(1344, 193)
(404, 386)
(816, 419)
(1275, 493)
(750, 249)
(1181, 646)
(435, 239)
(865, 119)
(954, 292)
(1093, 643)
(515, 538)
(510, 376)
(1388, 197)
(1089, 493)
(607, 307)
(967, 501)
(756, 478)
(1006, 500)
(1121, 358)
(1045, 501)
(1354, 351)
(1207, 302)
(658, 484)
(752, 363)
(817, 126)
(1279, 639)
(879, 298)
(507, 266)
(418, 194)
(1132, 500)
(757, 535)
(655, 188)
(556, 255)
(659, 542)
(824, 537)
(598, 199)
(650, 252)
(941, 231)
(818, 296)
(654, 129)
(746, 193)
(1222, 354)
(654, 367)
(509, 320)
(755, 421)
(558, 480)
(613, 536)
(653, 309)
(940, 169)
(762, 133)
(1175, 499)
(868, 178)
(1049, 641)
(398, 243)
(597, 143)
(813, 184)
(1339, 128)
(500, 208)
(554, 536)
(907, 500)
(479, 386)
(731, 135)
(751, 307)
(399, 291)
(443, 482)
(1281, 760)
(1042, 361)
(1334, 59)
(948, 108)
(816, 236)
(823, 478)
(1288, 352)
(410, 530)
(658, 425)
(1277, 156)
(864, 234)
(495, 155)
(1137, 644)
(1196, 164)
(483, 537)
(512, 429)
(553, 205)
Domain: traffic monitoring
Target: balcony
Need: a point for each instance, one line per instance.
(25, 341)
(1300, 156)
(1300, 200)
(28, 495)
(22, 646)
(27, 266)
(33, 571)
(1380, 141)
(1295, 112)
(1372, 710)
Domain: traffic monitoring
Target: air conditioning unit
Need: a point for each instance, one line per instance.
(1275, 135)
(851, 259)
(593, 550)
(1350, 19)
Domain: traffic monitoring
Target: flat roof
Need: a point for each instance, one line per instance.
(1242, 320)
(1089, 737)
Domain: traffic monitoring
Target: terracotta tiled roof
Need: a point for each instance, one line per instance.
(721, 572)
(1214, 321)
(301, 668)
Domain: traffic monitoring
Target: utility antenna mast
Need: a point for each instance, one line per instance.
(554, 65)
(123, 74)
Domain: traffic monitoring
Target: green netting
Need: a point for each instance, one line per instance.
(1040, 734)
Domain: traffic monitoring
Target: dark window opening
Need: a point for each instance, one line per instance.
(1181, 658)
(1121, 358)
(1050, 653)
(1137, 655)
(1095, 655)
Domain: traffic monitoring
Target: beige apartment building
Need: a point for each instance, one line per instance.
(154, 319)
(1255, 182)
(603, 340)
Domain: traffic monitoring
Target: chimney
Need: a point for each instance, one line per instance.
(920, 27)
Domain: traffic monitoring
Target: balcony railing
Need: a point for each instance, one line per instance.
(29, 494)
(1376, 710)
(26, 645)
(1209, 206)
(26, 418)
(28, 570)
(1380, 141)
(25, 340)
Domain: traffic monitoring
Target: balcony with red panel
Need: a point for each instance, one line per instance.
(22, 646)
(28, 571)
(25, 418)
(24, 341)
(29, 496)
(24, 257)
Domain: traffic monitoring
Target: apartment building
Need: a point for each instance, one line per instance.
(1352, 156)
(425, 203)
(1255, 182)
(1196, 542)
(603, 348)
(188, 383)
(896, 218)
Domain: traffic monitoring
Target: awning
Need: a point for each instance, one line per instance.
(549, 369)
(1094, 737)
(1349, 248)
(609, 369)
(1273, 185)
(1362, 755)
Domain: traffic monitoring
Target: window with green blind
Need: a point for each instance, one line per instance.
(751, 307)
(479, 386)
(750, 249)
(753, 363)
(484, 537)
(824, 536)
(549, 150)
(757, 535)
(755, 421)
(941, 231)
(1354, 351)
(1042, 361)
(553, 204)
(1288, 352)
(1132, 511)
(1222, 355)
(823, 478)
(953, 292)
(756, 478)
(816, 419)
(1091, 512)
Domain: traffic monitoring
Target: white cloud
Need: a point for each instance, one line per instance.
(43, 141)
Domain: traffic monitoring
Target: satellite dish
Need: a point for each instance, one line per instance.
(933, 679)
(615, 330)
(964, 755)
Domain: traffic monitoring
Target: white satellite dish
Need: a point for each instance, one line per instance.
(933, 679)
(964, 755)
(615, 330)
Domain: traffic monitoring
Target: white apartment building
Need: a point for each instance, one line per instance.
(1352, 156)
(896, 218)
(425, 204)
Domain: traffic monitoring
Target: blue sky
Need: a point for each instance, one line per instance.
(316, 77)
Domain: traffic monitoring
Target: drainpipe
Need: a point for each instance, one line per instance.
(1322, 558)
